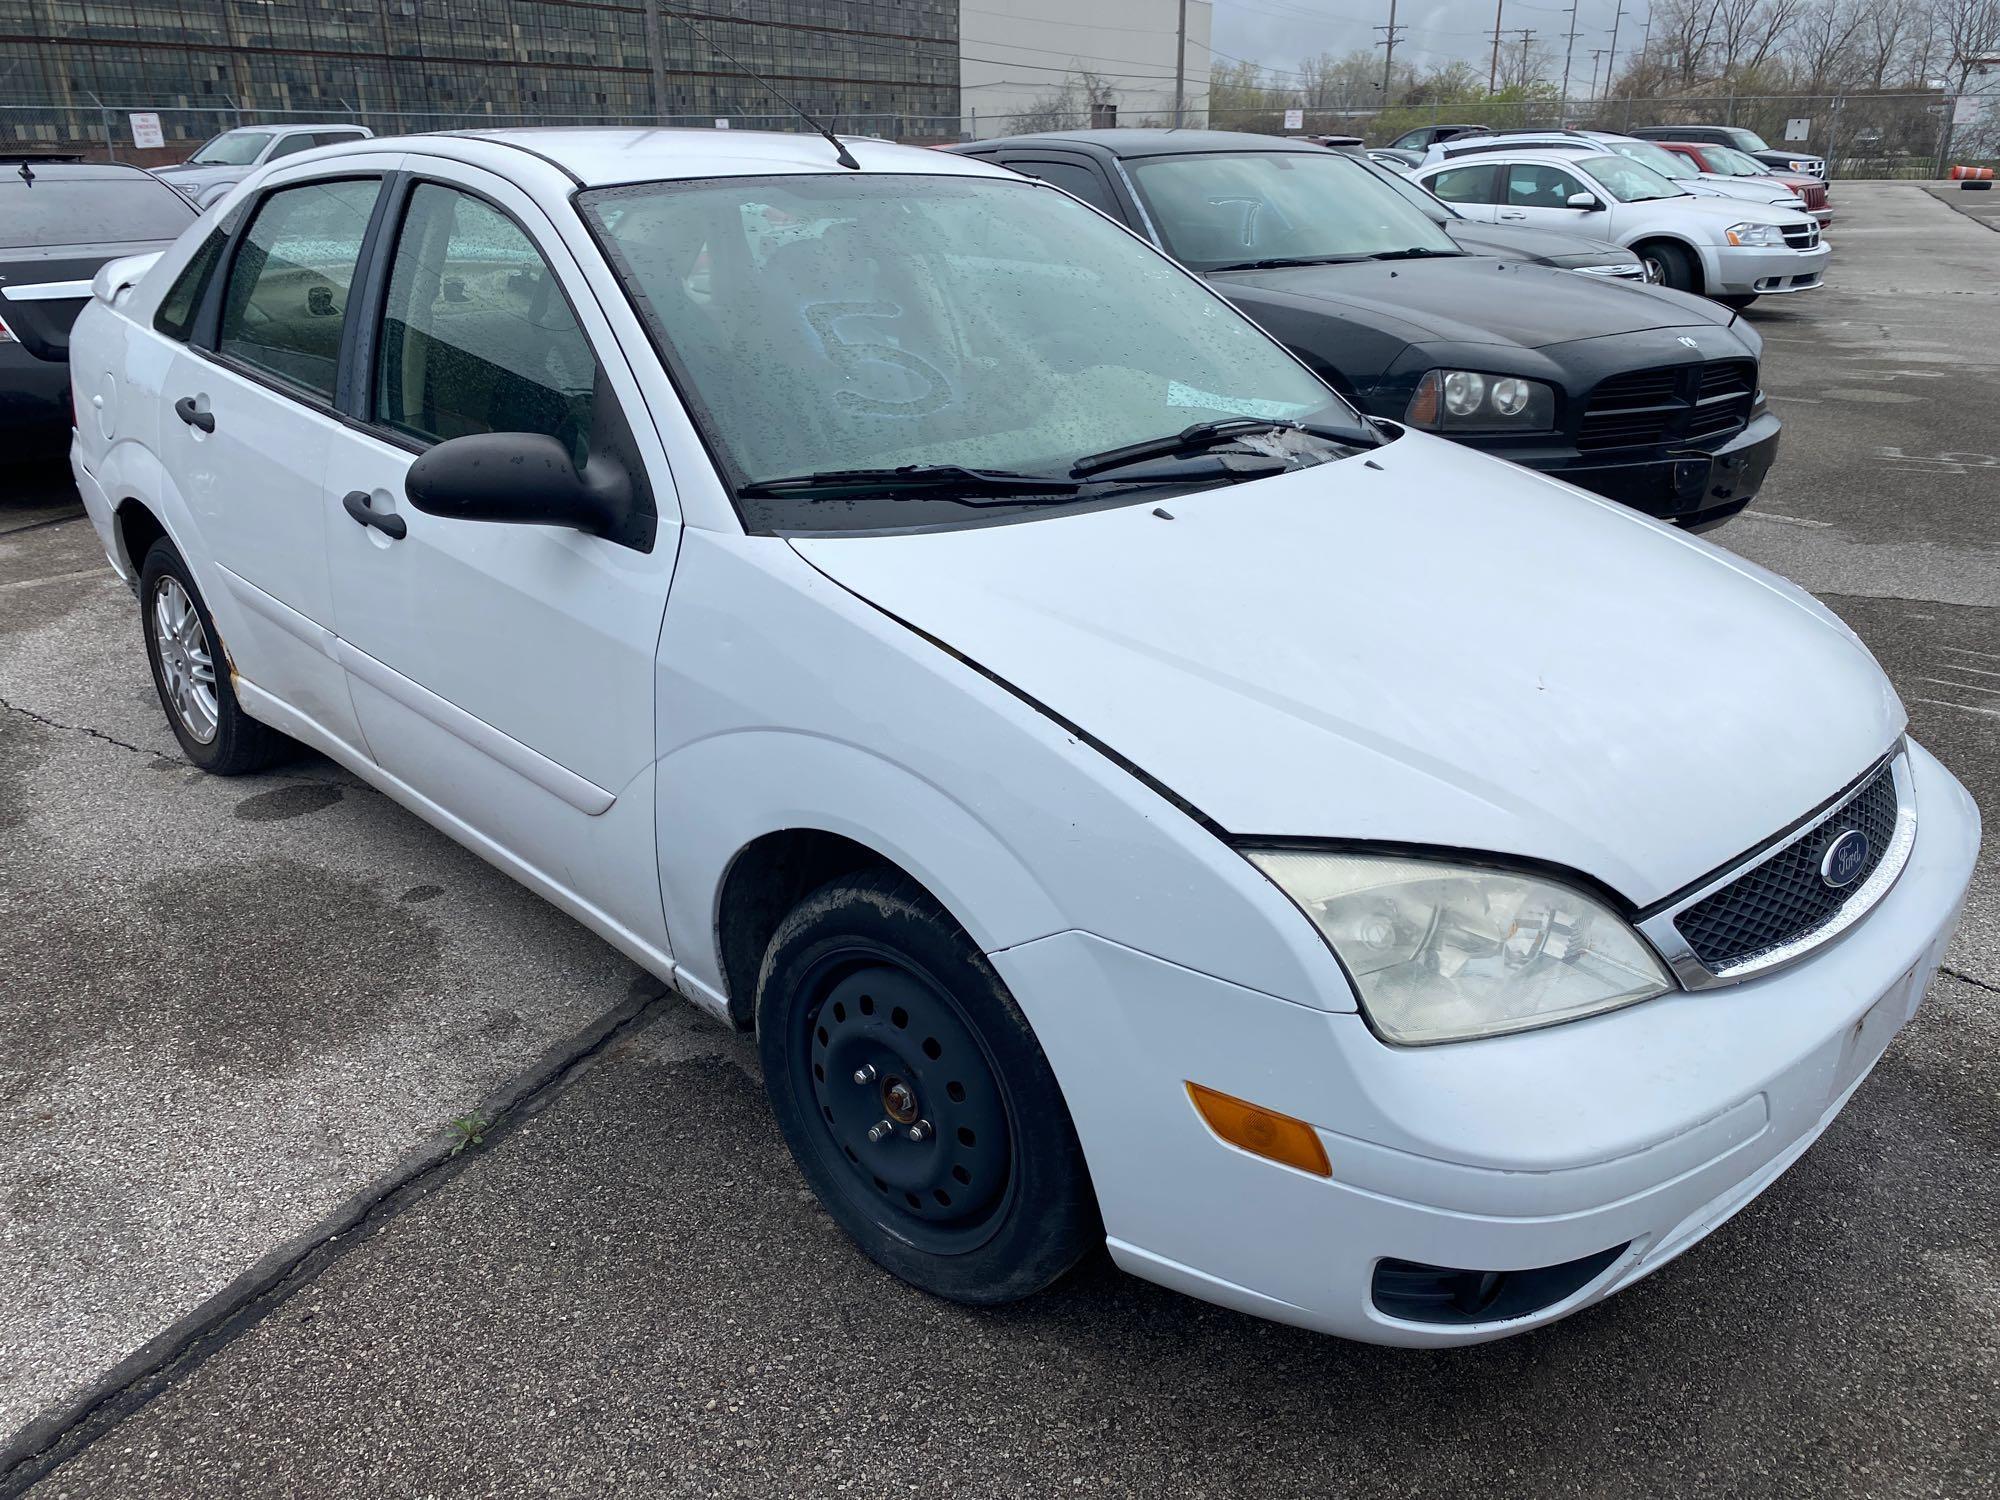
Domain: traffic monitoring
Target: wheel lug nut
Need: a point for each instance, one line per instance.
(865, 1073)
(881, 1130)
(921, 1131)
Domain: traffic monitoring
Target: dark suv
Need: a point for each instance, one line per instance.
(1747, 141)
(1644, 395)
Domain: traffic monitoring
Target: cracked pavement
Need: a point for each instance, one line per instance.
(238, 1015)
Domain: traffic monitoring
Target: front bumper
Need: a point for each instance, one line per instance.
(1698, 488)
(1638, 1131)
(1744, 271)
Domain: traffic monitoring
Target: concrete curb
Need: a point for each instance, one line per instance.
(57, 1436)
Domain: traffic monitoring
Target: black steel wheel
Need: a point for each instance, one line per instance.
(915, 1098)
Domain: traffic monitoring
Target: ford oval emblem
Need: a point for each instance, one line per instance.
(1844, 858)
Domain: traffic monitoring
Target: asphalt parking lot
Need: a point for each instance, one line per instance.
(244, 1026)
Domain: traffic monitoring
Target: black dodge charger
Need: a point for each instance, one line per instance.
(1644, 395)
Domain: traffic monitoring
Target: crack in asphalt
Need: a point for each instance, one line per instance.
(38, 525)
(1984, 984)
(110, 739)
(46, 1444)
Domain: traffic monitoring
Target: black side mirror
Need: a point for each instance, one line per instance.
(527, 478)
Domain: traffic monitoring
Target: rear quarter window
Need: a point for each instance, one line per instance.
(92, 211)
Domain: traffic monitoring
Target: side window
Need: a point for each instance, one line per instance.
(1533, 186)
(288, 145)
(1463, 185)
(1073, 178)
(334, 137)
(476, 333)
(177, 309)
(287, 294)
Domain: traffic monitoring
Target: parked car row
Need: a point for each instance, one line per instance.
(1748, 142)
(1144, 777)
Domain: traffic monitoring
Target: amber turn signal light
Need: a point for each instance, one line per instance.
(1260, 1131)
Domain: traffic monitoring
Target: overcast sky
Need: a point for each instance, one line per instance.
(1279, 32)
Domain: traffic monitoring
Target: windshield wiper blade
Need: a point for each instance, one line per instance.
(942, 481)
(1415, 252)
(1279, 262)
(1194, 439)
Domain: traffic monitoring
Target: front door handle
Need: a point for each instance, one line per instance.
(189, 413)
(395, 528)
(1513, 216)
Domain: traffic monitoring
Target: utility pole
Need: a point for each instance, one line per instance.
(1493, 71)
(656, 58)
(1611, 65)
(1595, 54)
(1180, 65)
(1388, 46)
(1569, 51)
(1526, 37)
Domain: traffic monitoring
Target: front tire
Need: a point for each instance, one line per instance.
(914, 1096)
(1670, 265)
(191, 673)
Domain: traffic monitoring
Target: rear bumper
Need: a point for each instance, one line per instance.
(34, 401)
(1697, 488)
(1635, 1133)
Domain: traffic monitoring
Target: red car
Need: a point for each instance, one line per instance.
(1727, 161)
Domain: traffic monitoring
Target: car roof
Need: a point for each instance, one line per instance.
(1133, 143)
(292, 127)
(1546, 156)
(54, 170)
(602, 156)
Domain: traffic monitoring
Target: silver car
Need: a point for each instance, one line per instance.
(232, 156)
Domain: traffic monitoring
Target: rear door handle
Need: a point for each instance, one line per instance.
(186, 410)
(393, 527)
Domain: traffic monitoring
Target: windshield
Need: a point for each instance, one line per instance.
(842, 322)
(1433, 208)
(89, 211)
(1748, 140)
(233, 148)
(1628, 181)
(1733, 163)
(1667, 163)
(1279, 206)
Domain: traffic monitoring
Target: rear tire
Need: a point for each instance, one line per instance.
(191, 673)
(1670, 265)
(876, 1013)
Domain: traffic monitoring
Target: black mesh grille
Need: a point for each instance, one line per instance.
(1784, 897)
(1678, 403)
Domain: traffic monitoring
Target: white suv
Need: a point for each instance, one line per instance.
(1677, 169)
(1134, 798)
(219, 164)
(1721, 247)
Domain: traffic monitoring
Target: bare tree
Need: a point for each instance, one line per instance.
(1824, 43)
(1748, 32)
(1683, 35)
(1885, 36)
(1970, 30)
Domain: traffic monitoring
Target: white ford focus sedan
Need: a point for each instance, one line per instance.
(1132, 796)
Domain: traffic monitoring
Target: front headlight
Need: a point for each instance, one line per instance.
(1467, 401)
(1754, 234)
(1442, 952)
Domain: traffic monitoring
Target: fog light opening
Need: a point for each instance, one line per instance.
(1417, 1293)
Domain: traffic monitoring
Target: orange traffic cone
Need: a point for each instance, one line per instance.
(1971, 174)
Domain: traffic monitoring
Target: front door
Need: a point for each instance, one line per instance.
(245, 437)
(503, 673)
(1537, 194)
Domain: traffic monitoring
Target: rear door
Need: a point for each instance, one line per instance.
(249, 410)
(503, 672)
(1468, 189)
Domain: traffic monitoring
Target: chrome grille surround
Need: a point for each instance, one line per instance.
(1660, 930)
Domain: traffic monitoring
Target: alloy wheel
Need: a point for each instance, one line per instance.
(187, 664)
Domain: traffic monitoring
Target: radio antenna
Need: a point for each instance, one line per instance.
(840, 151)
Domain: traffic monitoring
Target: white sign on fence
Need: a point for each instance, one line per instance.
(1969, 110)
(1797, 130)
(146, 133)
(721, 124)
(1295, 119)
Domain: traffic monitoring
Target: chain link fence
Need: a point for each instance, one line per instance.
(1862, 135)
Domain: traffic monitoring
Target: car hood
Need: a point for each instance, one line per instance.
(1444, 650)
(1468, 299)
(188, 178)
(1745, 188)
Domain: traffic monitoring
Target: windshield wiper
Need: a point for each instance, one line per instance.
(1415, 252)
(1278, 262)
(1194, 439)
(939, 481)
